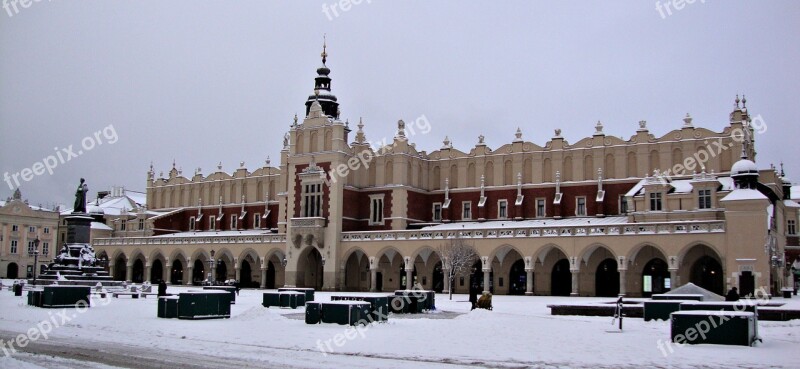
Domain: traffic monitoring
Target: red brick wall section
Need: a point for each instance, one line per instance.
(357, 206)
(179, 222)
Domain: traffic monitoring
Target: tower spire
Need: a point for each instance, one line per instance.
(324, 54)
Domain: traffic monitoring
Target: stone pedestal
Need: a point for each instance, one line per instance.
(78, 228)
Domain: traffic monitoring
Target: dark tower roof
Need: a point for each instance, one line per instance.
(322, 89)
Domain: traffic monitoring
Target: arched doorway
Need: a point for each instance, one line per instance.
(606, 279)
(198, 272)
(138, 271)
(156, 271)
(270, 275)
(246, 274)
(120, 269)
(561, 279)
(438, 278)
(655, 278)
(176, 274)
(310, 269)
(356, 272)
(707, 273)
(222, 271)
(12, 271)
(517, 278)
(476, 278)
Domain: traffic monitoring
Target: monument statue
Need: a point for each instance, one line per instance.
(80, 197)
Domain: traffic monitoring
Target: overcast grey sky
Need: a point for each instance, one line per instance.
(208, 81)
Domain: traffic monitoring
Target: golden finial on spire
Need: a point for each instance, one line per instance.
(324, 46)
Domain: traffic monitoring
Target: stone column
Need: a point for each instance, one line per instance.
(673, 264)
(529, 281)
(147, 270)
(575, 274)
(446, 273)
(129, 273)
(238, 273)
(673, 278)
(187, 275)
(167, 272)
(622, 280)
(409, 268)
(486, 279)
(111, 270)
(263, 277)
(373, 287)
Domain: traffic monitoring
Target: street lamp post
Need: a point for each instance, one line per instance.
(35, 258)
(211, 268)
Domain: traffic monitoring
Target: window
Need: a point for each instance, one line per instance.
(312, 200)
(580, 208)
(502, 209)
(234, 222)
(466, 213)
(30, 247)
(14, 228)
(655, 201)
(791, 227)
(256, 220)
(122, 224)
(13, 246)
(141, 224)
(704, 199)
(541, 211)
(212, 223)
(45, 248)
(192, 224)
(46, 230)
(437, 211)
(376, 209)
(31, 229)
(623, 204)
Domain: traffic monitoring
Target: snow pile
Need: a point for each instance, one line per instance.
(477, 314)
(693, 289)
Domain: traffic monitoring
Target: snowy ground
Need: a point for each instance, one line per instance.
(518, 333)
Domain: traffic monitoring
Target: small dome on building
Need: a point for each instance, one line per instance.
(95, 210)
(744, 167)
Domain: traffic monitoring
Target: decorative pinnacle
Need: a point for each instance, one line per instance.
(737, 101)
(324, 54)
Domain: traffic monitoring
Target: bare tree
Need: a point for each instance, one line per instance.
(457, 258)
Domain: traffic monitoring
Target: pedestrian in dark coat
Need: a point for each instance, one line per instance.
(238, 286)
(733, 295)
(162, 288)
(473, 296)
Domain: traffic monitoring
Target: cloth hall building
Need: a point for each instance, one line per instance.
(596, 217)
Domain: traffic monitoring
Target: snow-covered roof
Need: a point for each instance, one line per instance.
(727, 183)
(744, 194)
(118, 205)
(795, 192)
(791, 204)
(101, 226)
(682, 185)
(533, 223)
(217, 233)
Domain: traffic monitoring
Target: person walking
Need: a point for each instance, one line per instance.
(473, 296)
(162, 288)
(733, 295)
